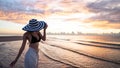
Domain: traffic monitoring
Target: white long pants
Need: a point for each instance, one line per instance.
(31, 58)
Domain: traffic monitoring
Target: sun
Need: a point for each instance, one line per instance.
(68, 23)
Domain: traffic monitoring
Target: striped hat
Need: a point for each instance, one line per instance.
(34, 25)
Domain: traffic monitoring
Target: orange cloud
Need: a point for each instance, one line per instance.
(19, 17)
(103, 24)
(40, 9)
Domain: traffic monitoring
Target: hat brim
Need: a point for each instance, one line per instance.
(39, 26)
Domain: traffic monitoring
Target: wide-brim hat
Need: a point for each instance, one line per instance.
(34, 25)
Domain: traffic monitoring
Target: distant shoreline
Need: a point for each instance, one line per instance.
(10, 38)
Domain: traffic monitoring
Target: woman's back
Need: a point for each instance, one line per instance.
(34, 39)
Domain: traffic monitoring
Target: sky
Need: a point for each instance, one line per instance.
(86, 16)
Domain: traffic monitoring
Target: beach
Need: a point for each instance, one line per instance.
(66, 52)
(9, 47)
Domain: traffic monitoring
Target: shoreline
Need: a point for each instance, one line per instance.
(9, 47)
(10, 38)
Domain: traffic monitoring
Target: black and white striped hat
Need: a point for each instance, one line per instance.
(34, 25)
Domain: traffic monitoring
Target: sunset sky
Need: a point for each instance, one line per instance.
(86, 16)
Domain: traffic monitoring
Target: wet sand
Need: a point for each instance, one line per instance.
(67, 52)
(9, 47)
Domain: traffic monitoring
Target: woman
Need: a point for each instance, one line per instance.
(33, 35)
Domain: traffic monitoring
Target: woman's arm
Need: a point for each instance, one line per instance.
(20, 51)
(44, 33)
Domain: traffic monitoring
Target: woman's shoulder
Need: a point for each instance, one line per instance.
(26, 34)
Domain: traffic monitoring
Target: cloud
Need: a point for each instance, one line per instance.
(42, 6)
(106, 10)
(105, 25)
(22, 10)
(19, 6)
(19, 17)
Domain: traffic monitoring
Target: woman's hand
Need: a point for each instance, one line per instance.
(13, 64)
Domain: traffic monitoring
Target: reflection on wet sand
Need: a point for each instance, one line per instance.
(103, 52)
(76, 59)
